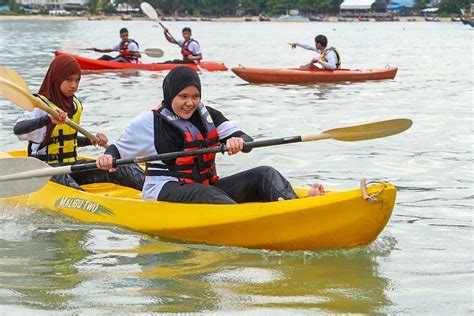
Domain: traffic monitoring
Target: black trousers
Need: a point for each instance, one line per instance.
(129, 175)
(118, 59)
(178, 61)
(261, 184)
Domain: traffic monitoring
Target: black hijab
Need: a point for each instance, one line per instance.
(179, 78)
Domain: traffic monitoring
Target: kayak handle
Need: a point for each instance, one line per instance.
(363, 188)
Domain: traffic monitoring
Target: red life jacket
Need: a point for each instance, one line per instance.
(193, 169)
(128, 56)
(185, 50)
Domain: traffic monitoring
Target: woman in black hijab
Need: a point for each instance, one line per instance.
(180, 123)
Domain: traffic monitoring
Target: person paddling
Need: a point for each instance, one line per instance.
(127, 47)
(328, 57)
(190, 48)
(182, 122)
(56, 143)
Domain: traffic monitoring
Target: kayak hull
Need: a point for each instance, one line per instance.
(336, 220)
(94, 64)
(300, 76)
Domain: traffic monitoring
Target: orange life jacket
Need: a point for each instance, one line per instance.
(127, 55)
(185, 50)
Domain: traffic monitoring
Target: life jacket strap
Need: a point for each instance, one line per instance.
(55, 157)
(201, 143)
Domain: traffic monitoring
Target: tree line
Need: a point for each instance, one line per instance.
(250, 7)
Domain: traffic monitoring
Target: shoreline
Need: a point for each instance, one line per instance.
(222, 19)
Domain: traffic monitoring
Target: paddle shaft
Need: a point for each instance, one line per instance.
(151, 52)
(48, 171)
(78, 128)
(173, 155)
(42, 170)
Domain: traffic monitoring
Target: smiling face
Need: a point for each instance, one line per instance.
(186, 102)
(70, 85)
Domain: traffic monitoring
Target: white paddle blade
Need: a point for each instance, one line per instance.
(14, 77)
(154, 52)
(20, 168)
(149, 10)
(17, 95)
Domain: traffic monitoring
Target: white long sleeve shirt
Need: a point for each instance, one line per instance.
(331, 56)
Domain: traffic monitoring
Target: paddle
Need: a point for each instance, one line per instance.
(152, 14)
(150, 52)
(26, 175)
(15, 89)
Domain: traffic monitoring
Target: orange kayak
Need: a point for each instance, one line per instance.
(94, 64)
(295, 75)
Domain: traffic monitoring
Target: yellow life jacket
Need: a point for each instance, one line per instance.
(325, 52)
(61, 145)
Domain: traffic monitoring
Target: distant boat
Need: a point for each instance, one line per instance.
(432, 19)
(455, 19)
(182, 19)
(291, 18)
(248, 19)
(466, 18)
(387, 18)
(318, 18)
(342, 19)
(411, 20)
(264, 18)
(467, 21)
(126, 17)
(363, 19)
(206, 19)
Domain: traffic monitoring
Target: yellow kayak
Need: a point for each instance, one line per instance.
(337, 219)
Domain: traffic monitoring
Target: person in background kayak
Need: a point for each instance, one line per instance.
(127, 47)
(190, 48)
(56, 143)
(328, 57)
(181, 122)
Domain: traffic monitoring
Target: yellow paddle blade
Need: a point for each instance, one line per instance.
(369, 131)
(14, 77)
(17, 95)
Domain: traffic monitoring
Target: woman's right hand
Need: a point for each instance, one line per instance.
(61, 119)
(106, 162)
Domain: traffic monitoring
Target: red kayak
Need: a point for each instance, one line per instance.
(94, 64)
(295, 75)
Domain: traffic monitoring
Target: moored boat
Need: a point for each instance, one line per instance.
(301, 76)
(94, 64)
(335, 220)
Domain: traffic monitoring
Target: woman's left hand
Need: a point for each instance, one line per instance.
(234, 145)
(102, 140)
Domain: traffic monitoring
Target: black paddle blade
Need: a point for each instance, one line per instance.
(18, 176)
